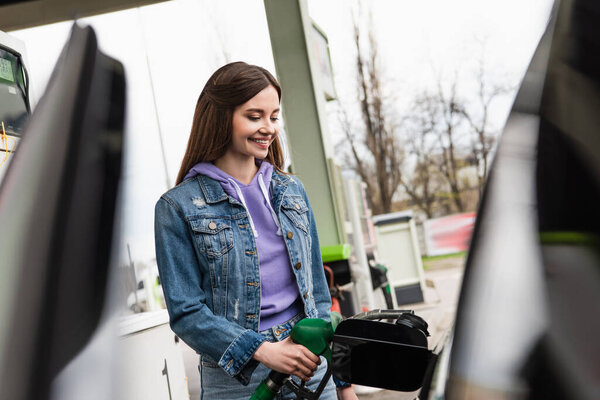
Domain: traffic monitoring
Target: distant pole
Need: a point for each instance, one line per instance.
(362, 282)
(160, 136)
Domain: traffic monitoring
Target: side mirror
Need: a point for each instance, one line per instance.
(385, 355)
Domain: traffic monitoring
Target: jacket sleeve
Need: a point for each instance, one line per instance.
(321, 292)
(190, 318)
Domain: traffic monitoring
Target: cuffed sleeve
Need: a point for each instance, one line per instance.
(242, 366)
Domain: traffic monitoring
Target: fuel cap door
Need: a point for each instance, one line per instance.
(380, 354)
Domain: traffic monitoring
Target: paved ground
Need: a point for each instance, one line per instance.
(443, 280)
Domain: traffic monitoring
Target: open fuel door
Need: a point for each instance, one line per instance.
(388, 355)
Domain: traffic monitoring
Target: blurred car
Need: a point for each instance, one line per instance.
(58, 206)
(527, 322)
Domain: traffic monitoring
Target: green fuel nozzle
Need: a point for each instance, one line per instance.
(316, 335)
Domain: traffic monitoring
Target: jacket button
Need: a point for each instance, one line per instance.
(297, 206)
(212, 225)
(305, 295)
(290, 235)
(298, 265)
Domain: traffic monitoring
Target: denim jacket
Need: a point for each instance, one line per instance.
(209, 268)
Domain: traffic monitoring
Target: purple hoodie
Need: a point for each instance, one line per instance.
(280, 298)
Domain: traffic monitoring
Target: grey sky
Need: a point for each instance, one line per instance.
(186, 40)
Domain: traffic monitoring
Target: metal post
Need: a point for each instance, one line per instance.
(361, 274)
(290, 30)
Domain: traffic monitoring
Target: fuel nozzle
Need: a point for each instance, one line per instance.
(314, 334)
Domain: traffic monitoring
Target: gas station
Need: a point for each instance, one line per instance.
(82, 315)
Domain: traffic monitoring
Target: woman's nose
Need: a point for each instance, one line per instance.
(269, 128)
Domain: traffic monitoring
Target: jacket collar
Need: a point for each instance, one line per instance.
(280, 177)
(279, 184)
(212, 190)
(214, 193)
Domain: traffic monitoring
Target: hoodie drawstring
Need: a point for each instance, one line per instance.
(265, 193)
(241, 196)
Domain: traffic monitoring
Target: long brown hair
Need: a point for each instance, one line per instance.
(230, 86)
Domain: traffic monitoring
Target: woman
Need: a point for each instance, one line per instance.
(236, 243)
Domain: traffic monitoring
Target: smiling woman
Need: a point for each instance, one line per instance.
(227, 237)
(236, 94)
(255, 127)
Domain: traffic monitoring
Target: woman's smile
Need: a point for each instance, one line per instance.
(262, 143)
(255, 126)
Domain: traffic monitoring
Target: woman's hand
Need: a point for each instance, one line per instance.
(347, 393)
(289, 358)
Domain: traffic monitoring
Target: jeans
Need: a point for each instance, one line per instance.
(217, 385)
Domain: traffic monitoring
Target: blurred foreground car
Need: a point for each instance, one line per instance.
(527, 322)
(58, 202)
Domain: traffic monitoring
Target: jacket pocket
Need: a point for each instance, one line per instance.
(214, 236)
(295, 208)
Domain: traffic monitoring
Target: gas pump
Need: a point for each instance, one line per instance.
(14, 97)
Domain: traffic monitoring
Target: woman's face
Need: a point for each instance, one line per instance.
(255, 125)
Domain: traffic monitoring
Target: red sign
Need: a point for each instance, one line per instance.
(449, 234)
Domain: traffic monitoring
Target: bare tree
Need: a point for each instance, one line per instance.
(443, 159)
(380, 163)
(483, 135)
(423, 184)
(464, 138)
(450, 117)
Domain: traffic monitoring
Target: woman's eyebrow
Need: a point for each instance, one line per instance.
(260, 110)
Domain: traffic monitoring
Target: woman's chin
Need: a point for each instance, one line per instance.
(261, 155)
